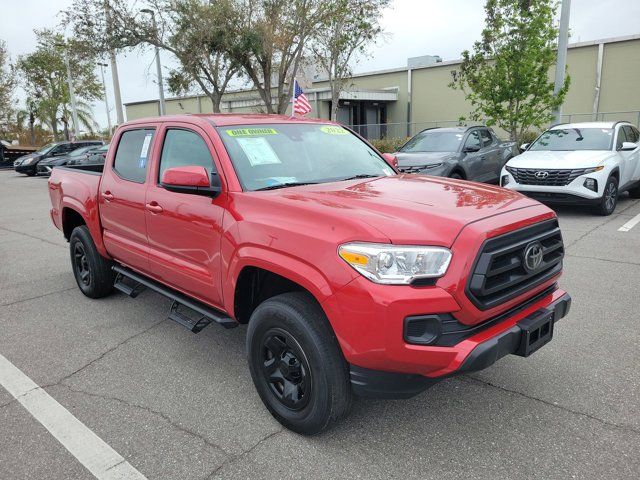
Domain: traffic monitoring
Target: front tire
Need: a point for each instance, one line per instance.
(609, 199)
(92, 271)
(296, 363)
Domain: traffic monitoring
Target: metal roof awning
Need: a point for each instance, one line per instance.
(387, 95)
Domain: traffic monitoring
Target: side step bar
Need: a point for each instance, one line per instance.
(132, 283)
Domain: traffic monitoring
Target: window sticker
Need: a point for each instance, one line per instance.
(145, 150)
(258, 151)
(249, 132)
(333, 130)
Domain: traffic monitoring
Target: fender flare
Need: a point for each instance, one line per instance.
(91, 220)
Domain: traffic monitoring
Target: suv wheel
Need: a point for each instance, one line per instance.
(296, 363)
(609, 198)
(92, 271)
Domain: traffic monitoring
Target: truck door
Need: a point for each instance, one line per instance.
(121, 197)
(185, 229)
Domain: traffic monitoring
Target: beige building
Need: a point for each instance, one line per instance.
(605, 84)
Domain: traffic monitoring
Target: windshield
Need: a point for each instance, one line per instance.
(574, 139)
(103, 148)
(46, 148)
(273, 156)
(434, 141)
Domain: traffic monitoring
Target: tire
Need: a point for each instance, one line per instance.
(609, 198)
(30, 173)
(293, 328)
(91, 270)
(456, 176)
(635, 192)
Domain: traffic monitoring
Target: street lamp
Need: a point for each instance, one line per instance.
(158, 67)
(106, 101)
(72, 92)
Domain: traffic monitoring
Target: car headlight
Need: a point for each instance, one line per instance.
(593, 169)
(395, 265)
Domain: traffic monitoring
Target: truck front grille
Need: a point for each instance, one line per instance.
(554, 178)
(501, 270)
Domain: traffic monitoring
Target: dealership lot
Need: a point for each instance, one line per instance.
(178, 405)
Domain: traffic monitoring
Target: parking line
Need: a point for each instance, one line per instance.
(630, 224)
(98, 457)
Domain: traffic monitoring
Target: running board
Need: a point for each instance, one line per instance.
(132, 283)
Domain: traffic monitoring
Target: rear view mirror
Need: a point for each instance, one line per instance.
(524, 146)
(391, 159)
(191, 179)
(626, 146)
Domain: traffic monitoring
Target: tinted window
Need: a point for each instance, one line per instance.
(184, 148)
(632, 133)
(486, 138)
(473, 140)
(574, 139)
(622, 137)
(131, 157)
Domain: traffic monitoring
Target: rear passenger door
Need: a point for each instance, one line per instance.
(185, 229)
(122, 197)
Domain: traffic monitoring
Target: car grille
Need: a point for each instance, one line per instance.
(499, 272)
(554, 178)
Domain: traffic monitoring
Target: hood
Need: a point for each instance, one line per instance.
(560, 159)
(415, 159)
(55, 161)
(26, 157)
(407, 209)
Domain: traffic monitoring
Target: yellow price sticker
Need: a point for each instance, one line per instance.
(249, 132)
(333, 130)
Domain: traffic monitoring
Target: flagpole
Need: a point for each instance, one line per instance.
(293, 97)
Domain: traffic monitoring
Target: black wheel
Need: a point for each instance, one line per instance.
(609, 198)
(456, 176)
(296, 363)
(92, 271)
(635, 192)
(30, 173)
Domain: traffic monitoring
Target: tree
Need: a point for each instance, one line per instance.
(351, 26)
(506, 77)
(196, 32)
(45, 81)
(270, 41)
(7, 87)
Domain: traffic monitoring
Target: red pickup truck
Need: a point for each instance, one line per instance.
(352, 278)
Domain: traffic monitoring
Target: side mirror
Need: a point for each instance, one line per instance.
(627, 146)
(391, 159)
(471, 149)
(524, 146)
(191, 179)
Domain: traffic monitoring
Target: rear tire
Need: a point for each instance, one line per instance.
(296, 363)
(609, 198)
(92, 271)
(635, 192)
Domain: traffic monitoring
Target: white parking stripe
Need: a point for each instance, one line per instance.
(98, 457)
(630, 224)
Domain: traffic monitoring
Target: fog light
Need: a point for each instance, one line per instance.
(422, 329)
(591, 184)
(505, 180)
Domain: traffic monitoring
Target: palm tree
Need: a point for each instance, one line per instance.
(85, 118)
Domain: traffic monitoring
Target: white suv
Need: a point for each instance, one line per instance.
(579, 163)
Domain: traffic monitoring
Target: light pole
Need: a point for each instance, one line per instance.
(106, 101)
(561, 62)
(72, 92)
(158, 66)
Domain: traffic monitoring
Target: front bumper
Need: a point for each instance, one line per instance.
(575, 193)
(31, 168)
(381, 384)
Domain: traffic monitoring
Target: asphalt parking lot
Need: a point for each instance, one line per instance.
(181, 406)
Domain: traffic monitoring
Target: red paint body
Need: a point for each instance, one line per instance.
(199, 245)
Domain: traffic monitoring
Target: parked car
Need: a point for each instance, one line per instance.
(351, 278)
(580, 164)
(45, 166)
(28, 164)
(95, 157)
(469, 153)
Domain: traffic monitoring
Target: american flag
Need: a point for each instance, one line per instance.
(301, 105)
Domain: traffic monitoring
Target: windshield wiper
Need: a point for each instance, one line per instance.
(284, 185)
(362, 175)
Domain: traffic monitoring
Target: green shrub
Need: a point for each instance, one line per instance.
(388, 145)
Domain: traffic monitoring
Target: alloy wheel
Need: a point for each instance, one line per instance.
(610, 195)
(82, 263)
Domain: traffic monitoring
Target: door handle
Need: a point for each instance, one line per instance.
(108, 196)
(153, 207)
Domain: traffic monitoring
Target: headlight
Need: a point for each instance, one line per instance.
(395, 265)
(593, 169)
(28, 161)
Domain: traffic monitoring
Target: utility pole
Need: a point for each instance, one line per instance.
(561, 62)
(106, 100)
(114, 69)
(72, 92)
(158, 66)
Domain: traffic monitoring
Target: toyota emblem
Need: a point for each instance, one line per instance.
(533, 257)
(542, 174)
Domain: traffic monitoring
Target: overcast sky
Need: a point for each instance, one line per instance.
(413, 28)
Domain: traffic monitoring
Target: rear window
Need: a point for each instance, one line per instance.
(131, 158)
